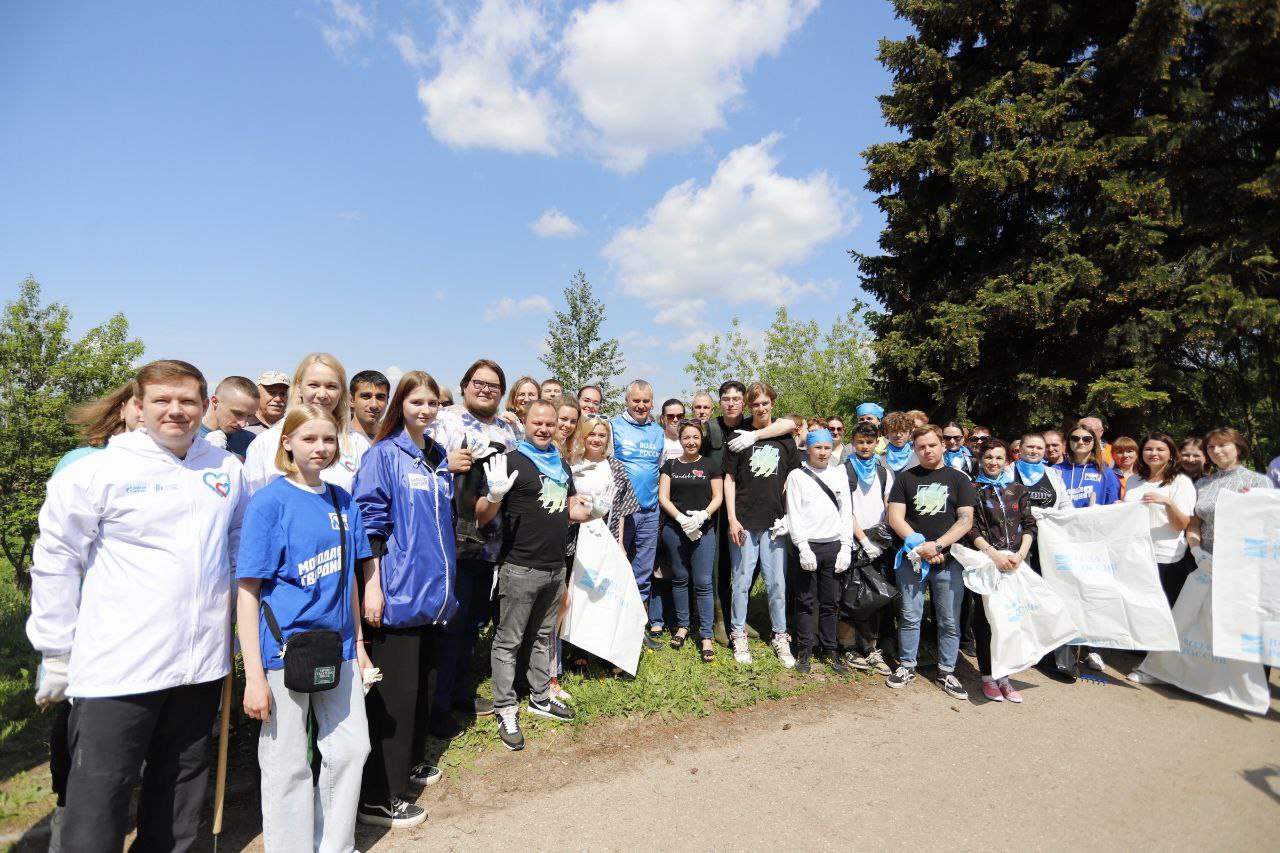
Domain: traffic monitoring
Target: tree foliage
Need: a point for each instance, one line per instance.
(1083, 214)
(43, 373)
(814, 372)
(576, 355)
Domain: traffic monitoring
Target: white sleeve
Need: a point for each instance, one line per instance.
(1060, 487)
(846, 511)
(796, 508)
(1184, 495)
(1273, 472)
(68, 528)
(259, 460)
(240, 483)
(217, 438)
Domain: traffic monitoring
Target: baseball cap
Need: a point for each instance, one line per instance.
(273, 377)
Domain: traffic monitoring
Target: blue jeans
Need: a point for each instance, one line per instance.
(640, 538)
(772, 555)
(948, 592)
(456, 645)
(696, 559)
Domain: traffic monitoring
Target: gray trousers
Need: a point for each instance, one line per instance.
(528, 603)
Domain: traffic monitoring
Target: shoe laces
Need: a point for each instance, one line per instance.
(902, 673)
(507, 718)
(398, 806)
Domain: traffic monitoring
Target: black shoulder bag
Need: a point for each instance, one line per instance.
(314, 658)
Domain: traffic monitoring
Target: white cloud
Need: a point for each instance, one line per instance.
(641, 340)
(350, 25)
(482, 95)
(730, 240)
(553, 223)
(654, 75)
(508, 307)
(393, 375)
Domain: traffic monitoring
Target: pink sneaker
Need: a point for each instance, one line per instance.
(992, 691)
(1009, 693)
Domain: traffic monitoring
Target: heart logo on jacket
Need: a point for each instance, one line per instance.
(220, 483)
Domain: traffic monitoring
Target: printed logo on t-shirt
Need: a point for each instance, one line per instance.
(333, 520)
(327, 562)
(553, 496)
(931, 499)
(764, 460)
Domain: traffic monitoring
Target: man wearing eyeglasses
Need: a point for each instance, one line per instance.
(474, 423)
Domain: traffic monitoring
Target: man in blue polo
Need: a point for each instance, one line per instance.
(637, 444)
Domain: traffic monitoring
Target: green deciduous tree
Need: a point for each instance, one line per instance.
(814, 372)
(1083, 214)
(576, 354)
(43, 373)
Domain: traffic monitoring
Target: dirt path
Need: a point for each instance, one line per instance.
(1080, 767)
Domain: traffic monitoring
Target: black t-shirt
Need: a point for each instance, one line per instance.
(691, 487)
(759, 473)
(1043, 494)
(932, 498)
(535, 516)
(716, 427)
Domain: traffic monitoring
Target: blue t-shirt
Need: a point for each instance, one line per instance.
(72, 455)
(639, 448)
(290, 540)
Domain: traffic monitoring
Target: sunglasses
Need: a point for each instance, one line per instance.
(594, 416)
(953, 437)
(673, 417)
(1082, 439)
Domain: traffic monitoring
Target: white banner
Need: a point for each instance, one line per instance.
(1246, 576)
(606, 616)
(1028, 619)
(1195, 668)
(1102, 564)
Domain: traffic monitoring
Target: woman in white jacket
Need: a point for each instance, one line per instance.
(820, 522)
(319, 381)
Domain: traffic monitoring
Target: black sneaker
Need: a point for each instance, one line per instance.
(902, 676)
(394, 813)
(803, 665)
(552, 708)
(425, 774)
(650, 642)
(509, 728)
(949, 683)
(838, 665)
(481, 707)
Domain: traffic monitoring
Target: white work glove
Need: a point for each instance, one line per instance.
(779, 529)
(479, 446)
(808, 561)
(700, 514)
(744, 439)
(843, 559)
(916, 560)
(871, 549)
(688, 523)
(500, 482)
(370, 677)
(695, 535)
(600, 505)
(1201, 555)
(51, 681)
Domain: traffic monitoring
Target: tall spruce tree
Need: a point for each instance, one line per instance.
(1083, 214)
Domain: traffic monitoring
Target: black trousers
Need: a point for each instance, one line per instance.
(398, 708)
(981, 635)
(110, 738)
(60, 751)
(825, 587)
(1174, 575)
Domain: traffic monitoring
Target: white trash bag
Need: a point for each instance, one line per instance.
(606, 616)
(1195, 669)
(1028, 619)
(1246, 577)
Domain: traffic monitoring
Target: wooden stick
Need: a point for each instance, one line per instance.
(220, 787)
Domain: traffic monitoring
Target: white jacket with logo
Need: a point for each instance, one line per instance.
(260, 461)
(133, 571)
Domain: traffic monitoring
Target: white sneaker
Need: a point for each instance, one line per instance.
(1093, 660)
(1139, 677)
(741, 653)
(782, 648)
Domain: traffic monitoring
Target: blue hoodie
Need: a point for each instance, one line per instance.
(1080, 480)
(409, 505)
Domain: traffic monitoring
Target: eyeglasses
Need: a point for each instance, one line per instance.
(953, 437)
(1082, 439)
(481, 385)
(594, 416)
(673, 417)
(836, 430)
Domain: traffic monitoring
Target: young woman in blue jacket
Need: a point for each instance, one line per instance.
(1089, 481)
(405, 492)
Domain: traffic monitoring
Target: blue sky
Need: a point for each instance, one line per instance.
(413, 184)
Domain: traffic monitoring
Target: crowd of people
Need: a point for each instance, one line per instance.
(365, 536)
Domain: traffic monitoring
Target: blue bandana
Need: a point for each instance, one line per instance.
(1005, 478)
(956, 458)
(816, 435)
(1030, 473)
(546, 461)
(896, 458)
(864, 468)
(871, 409)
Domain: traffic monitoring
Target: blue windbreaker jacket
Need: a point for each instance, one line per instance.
(407, 503)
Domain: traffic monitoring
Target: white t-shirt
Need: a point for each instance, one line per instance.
(1170, 544)
(671, 449)
(260, 462)
(869, 500)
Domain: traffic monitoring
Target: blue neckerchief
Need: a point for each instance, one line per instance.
(1030, 473)
(949, 457)
(546, 461)
(915, 540)
(896, 458)
(1005, 478)
(864, 468)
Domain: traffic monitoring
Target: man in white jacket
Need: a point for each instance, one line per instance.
(131, 612)
(820, 520)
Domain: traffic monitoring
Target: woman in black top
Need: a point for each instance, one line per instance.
(1003, 528)
(690, 492)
